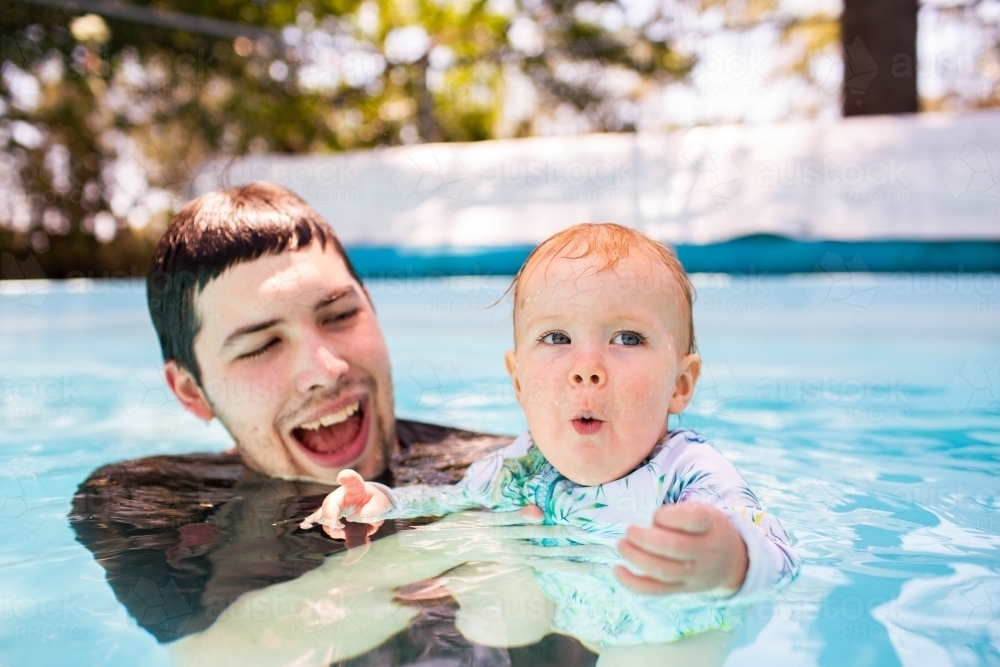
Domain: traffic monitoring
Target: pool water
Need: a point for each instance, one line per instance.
(864, 410)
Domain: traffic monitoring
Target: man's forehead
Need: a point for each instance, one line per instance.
(272, 282)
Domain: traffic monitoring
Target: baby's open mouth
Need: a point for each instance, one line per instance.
(587, 425)
(337, 437)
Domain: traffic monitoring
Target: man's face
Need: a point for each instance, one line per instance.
(596, 365)
(294, 365)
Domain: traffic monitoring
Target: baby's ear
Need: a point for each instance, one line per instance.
(687, 378)
(511, 362)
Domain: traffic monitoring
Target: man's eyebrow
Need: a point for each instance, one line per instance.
(260, 326)
(334, 296)
(247, 330)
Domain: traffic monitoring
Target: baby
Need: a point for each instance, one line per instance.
(604, 353)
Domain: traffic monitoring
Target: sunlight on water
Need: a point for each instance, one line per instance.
(865, 416)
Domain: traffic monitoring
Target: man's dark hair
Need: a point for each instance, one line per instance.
(212, 233)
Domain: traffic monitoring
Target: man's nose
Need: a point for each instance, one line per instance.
(588, 372)
(321, 367)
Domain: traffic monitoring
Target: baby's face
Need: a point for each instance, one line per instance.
(597, 365)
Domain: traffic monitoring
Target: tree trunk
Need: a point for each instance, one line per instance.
(880, 56)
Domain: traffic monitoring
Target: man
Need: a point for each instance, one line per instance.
(265, 325)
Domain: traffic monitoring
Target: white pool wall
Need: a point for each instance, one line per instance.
(931, 176)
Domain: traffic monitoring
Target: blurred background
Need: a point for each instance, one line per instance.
(107, 109)
(830, 174)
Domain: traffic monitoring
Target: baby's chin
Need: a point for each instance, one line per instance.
(589, 475)
(589, 479)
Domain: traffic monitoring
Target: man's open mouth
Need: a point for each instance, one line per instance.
(336, 438)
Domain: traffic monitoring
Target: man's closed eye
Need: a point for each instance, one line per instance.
(253, 354)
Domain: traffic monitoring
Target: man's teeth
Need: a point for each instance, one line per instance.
(332, 418)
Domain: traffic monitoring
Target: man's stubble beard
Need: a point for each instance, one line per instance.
(282, 465)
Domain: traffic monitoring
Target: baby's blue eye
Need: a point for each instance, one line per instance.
(555, 338)
(629, 338)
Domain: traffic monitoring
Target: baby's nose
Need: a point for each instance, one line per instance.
(587, 377)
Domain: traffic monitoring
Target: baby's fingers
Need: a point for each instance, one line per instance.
(672, 544)
(333, 508)
(659, 568)
(312, 519)
(645, 584)
(352, 489)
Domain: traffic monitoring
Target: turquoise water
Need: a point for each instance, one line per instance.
(863, 409)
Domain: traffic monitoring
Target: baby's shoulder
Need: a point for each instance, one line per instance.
(683, 448)
(684, 440)
(518, 459)
(520, 447)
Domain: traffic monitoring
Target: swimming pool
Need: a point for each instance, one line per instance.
(863, 409)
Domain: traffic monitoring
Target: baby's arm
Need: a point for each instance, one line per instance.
(356, 499)
(711, 534)
(367, 502)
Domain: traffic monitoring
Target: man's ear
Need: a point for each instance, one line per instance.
(187, 391)
(687, 379)
(511, 364)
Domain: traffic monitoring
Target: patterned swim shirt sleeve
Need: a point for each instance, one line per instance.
(490, 483)
(702, 474)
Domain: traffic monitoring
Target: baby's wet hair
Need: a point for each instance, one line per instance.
(610, 243)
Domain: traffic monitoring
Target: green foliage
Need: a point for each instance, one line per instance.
(127, 108)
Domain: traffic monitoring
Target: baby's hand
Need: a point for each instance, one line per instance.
(355, 499)
(691, 547)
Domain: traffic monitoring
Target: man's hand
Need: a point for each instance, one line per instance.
(691, 547)
(355, 499)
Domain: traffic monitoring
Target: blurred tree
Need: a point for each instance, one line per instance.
(104, 118)
(880, 56)
(107, 108)
(959, 43)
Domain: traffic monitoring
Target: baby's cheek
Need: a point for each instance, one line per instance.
(642, 404)
(540, 392)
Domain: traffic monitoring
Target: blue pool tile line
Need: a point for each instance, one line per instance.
(751, 254)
